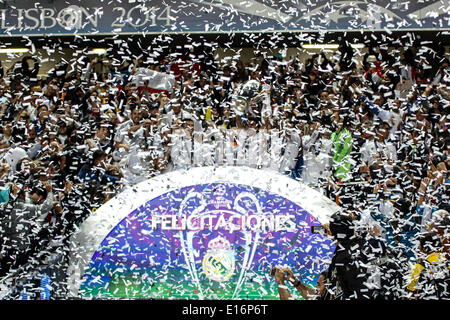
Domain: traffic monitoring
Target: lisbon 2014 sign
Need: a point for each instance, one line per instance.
(100, 17)
(204, 233)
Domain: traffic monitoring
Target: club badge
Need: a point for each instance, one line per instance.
(219, 262)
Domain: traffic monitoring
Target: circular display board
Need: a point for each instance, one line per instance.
(204, 233)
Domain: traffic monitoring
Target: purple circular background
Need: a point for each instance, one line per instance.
(136, 261)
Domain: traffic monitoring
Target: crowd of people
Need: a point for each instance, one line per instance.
(372, 135)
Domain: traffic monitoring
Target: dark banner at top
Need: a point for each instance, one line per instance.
(90, 17)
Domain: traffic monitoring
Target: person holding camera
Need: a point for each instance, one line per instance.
(347, 276)
(282, 275)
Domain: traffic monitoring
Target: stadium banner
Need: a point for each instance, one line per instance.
(91, 17)
(202, 233)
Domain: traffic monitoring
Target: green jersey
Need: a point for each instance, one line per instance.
(342, 146)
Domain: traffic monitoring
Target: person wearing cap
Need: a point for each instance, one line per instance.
(13, 156)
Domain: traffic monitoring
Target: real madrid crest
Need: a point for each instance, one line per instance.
(218, 262)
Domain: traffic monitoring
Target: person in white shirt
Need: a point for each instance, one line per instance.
(291, 150)
(242, 145)
(262, 147)
(185, 145)
(129, 146)
(230, 146)
(213, 144)
(441, 72)
(255, 146)
(368, 147)
(379, 148)
(397, 117)
(129, 134)
(316, 156)
(275, 149)
(155, 154)
(177, 112)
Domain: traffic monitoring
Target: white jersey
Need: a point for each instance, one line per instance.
(170, 118)
(262, 148)
(316, 158)
(372, 150)
(396, 119)
(135, 140)
(230, 146)
(212, 148)
(242, 145)
(291, 151)
(276, 145)
(185, 149)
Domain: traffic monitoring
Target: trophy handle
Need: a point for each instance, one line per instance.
(186, 242)
(249, 240)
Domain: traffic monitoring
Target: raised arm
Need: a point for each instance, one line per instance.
(283, 290)
(305, 291)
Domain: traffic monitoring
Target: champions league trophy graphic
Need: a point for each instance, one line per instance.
(219, 262)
